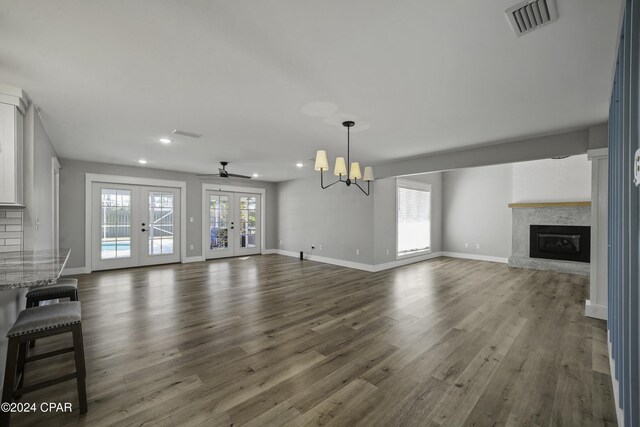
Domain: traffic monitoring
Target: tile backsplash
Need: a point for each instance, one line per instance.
(11, 235)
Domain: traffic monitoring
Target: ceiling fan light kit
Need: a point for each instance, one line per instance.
(340, 169)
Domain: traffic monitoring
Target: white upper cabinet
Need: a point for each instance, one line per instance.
(11, 128)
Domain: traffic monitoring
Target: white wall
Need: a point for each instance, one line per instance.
(552, 180)
(475, 211)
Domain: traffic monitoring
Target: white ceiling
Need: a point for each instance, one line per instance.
(112, 77)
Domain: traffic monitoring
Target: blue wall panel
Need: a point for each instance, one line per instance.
(624, 207)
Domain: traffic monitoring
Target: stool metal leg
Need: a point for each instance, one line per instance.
(9, 379)
(81, 370)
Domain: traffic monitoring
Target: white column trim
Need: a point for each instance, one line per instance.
(593, 306)
(90, 178)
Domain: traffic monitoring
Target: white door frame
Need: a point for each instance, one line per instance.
(234, 189)
(90, 178)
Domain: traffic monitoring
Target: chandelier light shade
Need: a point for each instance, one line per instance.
(355, 171)
(368, 174)
(322, 164)
(340, 169)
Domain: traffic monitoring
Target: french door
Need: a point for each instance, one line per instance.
(134, 225)
(231, 224)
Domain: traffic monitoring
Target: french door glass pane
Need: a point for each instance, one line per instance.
(160, 223)
(248, 221)
(115, 224)
(219, 222)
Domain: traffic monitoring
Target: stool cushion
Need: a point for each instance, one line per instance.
(52, 290)
(46, 317)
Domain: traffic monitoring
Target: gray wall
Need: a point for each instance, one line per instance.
(475, 210)
(338, 218)
(385, 215)
(42, 208)
(38, 183)
(342, 219)
(72, 203)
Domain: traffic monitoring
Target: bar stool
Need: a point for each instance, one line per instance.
(41, 322)
(63, 288)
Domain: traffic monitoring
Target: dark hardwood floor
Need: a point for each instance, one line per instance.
(271, 340)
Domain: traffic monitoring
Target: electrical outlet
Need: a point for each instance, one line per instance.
(320, 247)
(190, 247)
(477, 245)
(357, 251)
(190, 219)
(387, 251)
(313, 246)
(280, 242)
(466, 244)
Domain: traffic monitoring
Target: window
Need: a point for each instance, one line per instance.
(413, 217)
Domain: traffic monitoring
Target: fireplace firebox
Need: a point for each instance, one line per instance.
(561, 242)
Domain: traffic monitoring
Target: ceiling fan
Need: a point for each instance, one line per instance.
(223, 173)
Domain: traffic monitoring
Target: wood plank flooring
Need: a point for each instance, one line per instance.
(271, 340)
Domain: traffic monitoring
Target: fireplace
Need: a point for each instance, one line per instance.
(560, 242)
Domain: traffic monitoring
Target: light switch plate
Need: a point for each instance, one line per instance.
(636, 168)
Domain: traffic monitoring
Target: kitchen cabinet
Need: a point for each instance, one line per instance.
(11, 129)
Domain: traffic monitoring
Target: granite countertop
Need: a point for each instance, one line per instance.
(31, 268)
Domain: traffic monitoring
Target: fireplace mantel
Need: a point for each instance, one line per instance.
(548, 205)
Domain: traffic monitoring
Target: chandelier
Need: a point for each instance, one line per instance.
(340, 169)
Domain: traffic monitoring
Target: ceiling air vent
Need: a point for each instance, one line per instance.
(529, 15)
(185, 133)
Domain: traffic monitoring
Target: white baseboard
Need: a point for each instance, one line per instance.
(614, 383)
(269, 251)
(405, 261)
(332, 261)
(342, 263)
(371, 268)
(75, 270)
(597, 311)
(189, 259)
(476, 257)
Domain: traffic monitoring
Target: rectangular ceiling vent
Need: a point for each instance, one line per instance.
(531, 14)
(185, 133)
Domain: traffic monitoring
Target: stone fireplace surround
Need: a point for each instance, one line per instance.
(562, 213)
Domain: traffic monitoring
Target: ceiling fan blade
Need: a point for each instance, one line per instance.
(235, 175)
(211, 175)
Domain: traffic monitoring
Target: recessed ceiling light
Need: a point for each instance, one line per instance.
(255, 175)
(300, 164)
(142, 161)
(165, 140)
